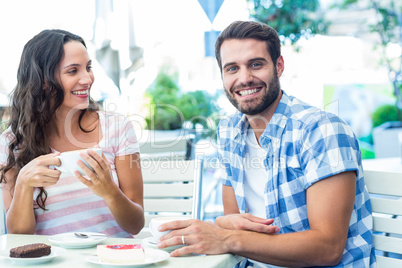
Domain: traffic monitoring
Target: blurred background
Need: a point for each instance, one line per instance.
(154, 61)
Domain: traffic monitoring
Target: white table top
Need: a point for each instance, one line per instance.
(75, 258)
(393, 164)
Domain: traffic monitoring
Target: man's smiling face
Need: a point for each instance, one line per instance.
(250, 78)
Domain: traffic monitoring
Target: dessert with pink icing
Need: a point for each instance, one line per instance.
(121, 253)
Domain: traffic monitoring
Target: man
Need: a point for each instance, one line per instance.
(285, 163)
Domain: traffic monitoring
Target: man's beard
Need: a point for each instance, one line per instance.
(270, 96)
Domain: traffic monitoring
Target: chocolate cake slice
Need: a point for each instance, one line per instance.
(30, 251)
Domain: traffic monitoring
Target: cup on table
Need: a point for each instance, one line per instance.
(156, 222)
(69, 161)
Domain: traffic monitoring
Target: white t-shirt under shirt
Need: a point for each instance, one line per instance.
(254, 182)
(255, 176)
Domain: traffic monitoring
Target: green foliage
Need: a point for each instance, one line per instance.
(162, 95)
(346, 3)
(290, 18)
(198, 107)
(388, 18)
(388, 24)
(384, 113)
(169, 108)
(367, 154)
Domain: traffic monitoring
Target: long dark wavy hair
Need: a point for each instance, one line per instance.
(33, 104)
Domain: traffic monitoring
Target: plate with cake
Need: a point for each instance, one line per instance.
(35, 253)
(127, 255)
(70, 240)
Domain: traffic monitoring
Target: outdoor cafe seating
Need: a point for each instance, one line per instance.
(171, 188)
(385, 190)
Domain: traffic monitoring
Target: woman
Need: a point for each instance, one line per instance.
(52, 112)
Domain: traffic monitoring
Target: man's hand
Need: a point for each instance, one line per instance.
(247, 222)
(199, 237)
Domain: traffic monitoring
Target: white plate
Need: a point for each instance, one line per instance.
(55, 251)
(69, 240)
(151, 256)
(151, 242)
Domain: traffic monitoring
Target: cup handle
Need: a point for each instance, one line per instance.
(61, 167)
(150, 228)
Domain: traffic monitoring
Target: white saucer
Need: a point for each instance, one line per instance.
(151, 242)
(151, 256)
(69, 240)
(55, 251)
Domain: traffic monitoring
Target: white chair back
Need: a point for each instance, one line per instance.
(385, 190)
(171, 188)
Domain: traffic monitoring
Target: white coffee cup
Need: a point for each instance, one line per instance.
(156, 222)
(69, 161)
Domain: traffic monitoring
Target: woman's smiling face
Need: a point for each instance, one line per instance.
(75, 76)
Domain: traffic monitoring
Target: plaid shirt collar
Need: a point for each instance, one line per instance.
(273, 131)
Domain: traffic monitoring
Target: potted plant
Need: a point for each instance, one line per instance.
(169, 107)
(386, 131)
(175, 114)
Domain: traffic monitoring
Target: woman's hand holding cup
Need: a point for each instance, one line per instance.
(69, 162)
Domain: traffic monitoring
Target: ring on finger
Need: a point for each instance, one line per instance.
(182, 239)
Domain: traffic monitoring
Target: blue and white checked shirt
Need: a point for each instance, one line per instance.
(304, 145)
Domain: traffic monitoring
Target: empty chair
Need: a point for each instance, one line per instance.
(171, 188)
(385, 190)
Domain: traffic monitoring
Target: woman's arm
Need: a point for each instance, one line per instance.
(18, 201)
(131, 185)
(124, 201)
(17, 207)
